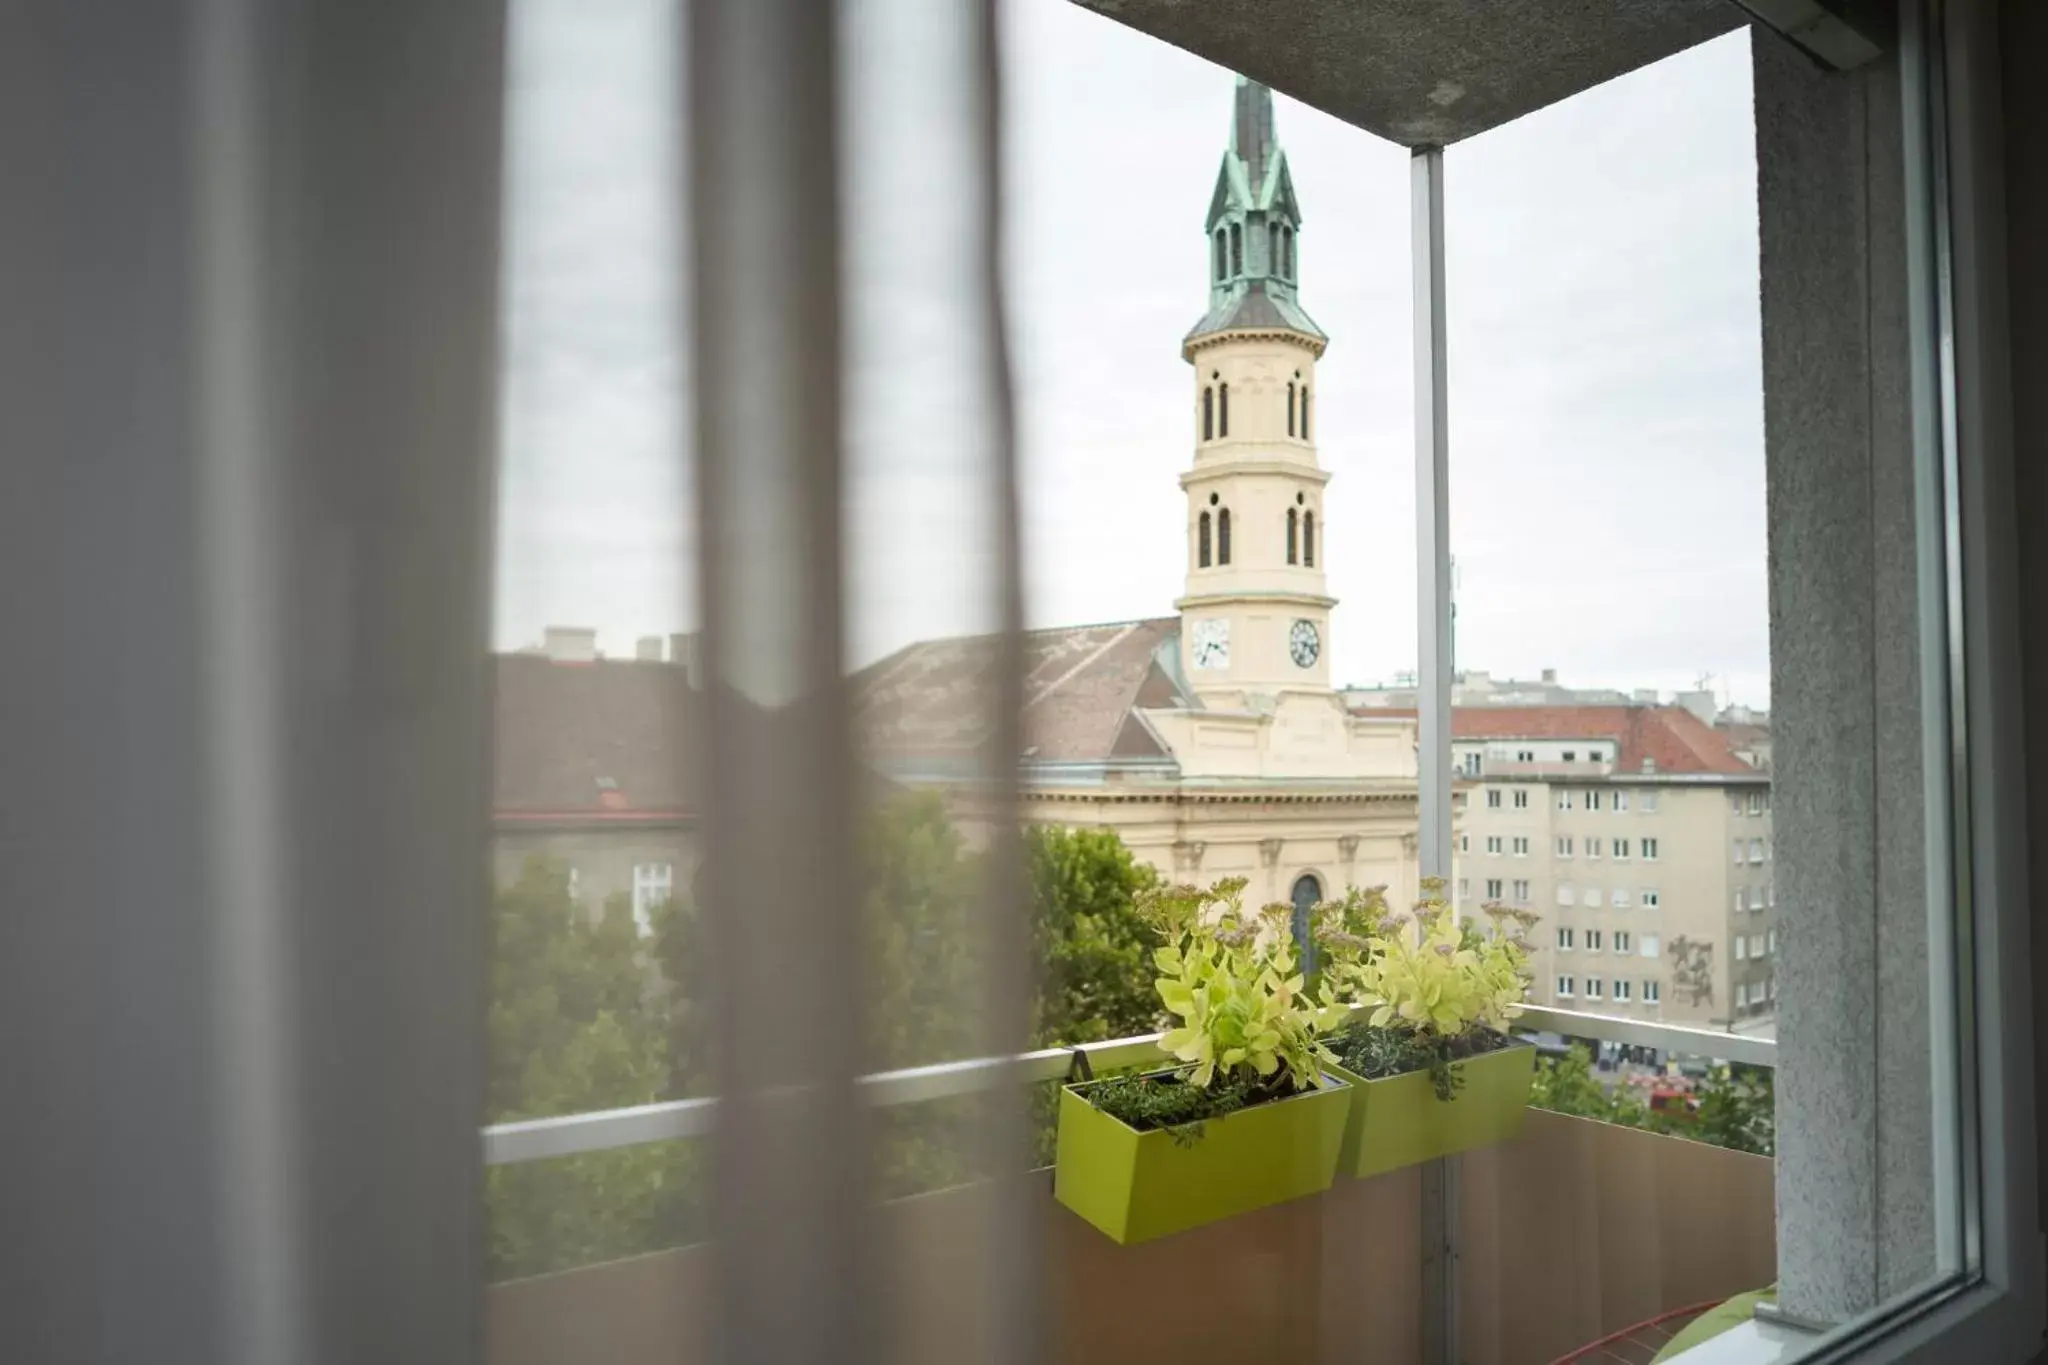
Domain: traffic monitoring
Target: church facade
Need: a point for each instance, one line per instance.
(1211, 740)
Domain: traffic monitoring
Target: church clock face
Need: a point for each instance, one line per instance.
(1212, 643)
(1304, 643)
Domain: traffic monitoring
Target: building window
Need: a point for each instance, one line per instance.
(1521, 893)
(1208, 413)
(1521, 798)
(1293, 534)
(1621, 940)
(1493, 888)
(1738, 852)
(1222, 255)
(1571, 755)
(1592, 940)
(1564, 895)
(1564, 940)
(1222, 410)
(1290, 407)
(1741, 948)
(1525, 755)
(1741, 995)
(1308, 539)
(575, 888)
(1304, 412)
(1756, 850)
(1756, 945)
(1564, 800)
(1756, 803)
(1464, 843)
(1592, 800)
(1287, 252)
(1621, 848)
(1647, 945)
(1564, 845)
(1621, 801)
(1620, 989)
(1202, 541)
(1649, 850)
(1651, 899)
(1564, 988)
(1273, 248)
(1592, 848)
(1652, 991)
(1464, 887)
(1236, 249)
(1592, 988)
(1493, 843)
(652, 883)
(1493, 799)
(1771, 894)
(1741, 900)
(1648, 803)
(1223, 535)
(1521, 846)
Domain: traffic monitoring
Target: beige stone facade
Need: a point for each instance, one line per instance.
(1653, 872)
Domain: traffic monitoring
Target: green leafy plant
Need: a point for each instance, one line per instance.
(1230, 978)
(1432, 990)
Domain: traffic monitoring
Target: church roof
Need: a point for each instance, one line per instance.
(929, 705)
(1254, 308)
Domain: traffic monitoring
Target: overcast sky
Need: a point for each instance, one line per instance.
(1606, 408)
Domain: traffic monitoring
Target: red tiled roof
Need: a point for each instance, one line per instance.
(1672, 737)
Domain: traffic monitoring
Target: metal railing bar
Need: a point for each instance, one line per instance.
(600, 1130)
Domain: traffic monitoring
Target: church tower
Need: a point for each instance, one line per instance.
(1255, 619)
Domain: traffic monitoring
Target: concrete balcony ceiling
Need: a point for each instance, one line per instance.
(1432, 72)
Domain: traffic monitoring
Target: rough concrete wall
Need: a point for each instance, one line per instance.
(1854, 1174)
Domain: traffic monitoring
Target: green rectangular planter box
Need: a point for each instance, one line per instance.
(1398, 1120)
(1136, 1186)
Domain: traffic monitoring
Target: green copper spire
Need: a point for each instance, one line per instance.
(1254, 228)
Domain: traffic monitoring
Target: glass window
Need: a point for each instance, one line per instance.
(1651, 899)
(1593, 988)
(1521, 799)
(1621, 848)
(1493, 798)
(1564, 988)
(1564, 845)
(652, 883)
(1620, 989)
(1653, 991)
(1564, 939)
(1593, 940)
(1649, 850)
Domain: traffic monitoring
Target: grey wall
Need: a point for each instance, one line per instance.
(1855, 1177)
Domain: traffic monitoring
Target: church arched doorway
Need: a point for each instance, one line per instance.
(1307, 892)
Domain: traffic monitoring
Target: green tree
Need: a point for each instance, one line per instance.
(1095, 953)
(576, 1024)
(1567, 1085)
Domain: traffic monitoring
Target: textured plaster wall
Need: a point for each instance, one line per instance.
(1854, 1174)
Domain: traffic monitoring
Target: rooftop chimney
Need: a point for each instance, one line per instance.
(647, 649)
(570, 644)
(1646, 696)
(1550, 676)
(1700, 703)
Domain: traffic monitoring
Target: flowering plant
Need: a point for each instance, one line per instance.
(1433, 989)
(1231, 978)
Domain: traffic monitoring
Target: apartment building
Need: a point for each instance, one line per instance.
(1643, 838)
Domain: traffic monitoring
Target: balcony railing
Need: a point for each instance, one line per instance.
(539, 1139)
(1572, 1231)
